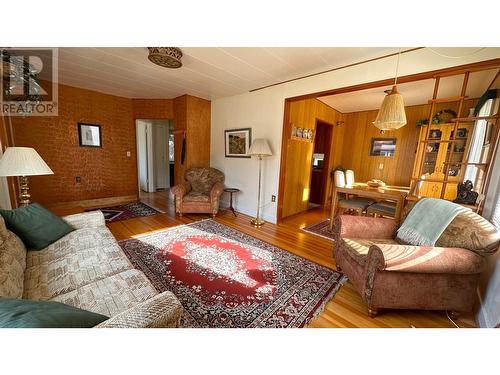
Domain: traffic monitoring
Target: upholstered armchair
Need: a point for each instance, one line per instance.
(392, 275)
(200, 192)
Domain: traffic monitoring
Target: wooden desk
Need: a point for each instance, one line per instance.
(393, 193)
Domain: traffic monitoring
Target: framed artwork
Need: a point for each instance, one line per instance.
(237, 142)
(89, 135)
(383, 147)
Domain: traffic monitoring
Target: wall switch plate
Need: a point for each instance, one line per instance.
(273, 198)
(128, 154)
(78, 179)
(381, 166)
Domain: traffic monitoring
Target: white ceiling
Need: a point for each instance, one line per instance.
(414, 93)
(207, 72)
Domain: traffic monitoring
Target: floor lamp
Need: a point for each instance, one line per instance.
(23, 162)
(259, 148)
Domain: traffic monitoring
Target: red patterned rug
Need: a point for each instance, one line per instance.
(321, 229)
(225, 278)
(126, 211)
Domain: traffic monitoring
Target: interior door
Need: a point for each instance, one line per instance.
(160, 141)
(142, 155)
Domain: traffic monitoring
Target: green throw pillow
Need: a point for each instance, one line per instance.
(22, 313)
(35, 225)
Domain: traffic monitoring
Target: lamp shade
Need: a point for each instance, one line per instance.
(22, 161)
(260, 147)
(392, 114)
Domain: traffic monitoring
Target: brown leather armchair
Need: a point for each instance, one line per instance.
(392, 275)
(200, 192)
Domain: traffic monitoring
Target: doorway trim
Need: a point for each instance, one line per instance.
(324, 182)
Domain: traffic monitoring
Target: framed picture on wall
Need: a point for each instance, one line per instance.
(89, 135)
(237, 142)
(383, 147)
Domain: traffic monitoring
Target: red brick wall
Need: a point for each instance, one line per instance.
(105, 172)
(153, 109)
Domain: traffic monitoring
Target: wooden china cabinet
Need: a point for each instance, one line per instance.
(453, 151)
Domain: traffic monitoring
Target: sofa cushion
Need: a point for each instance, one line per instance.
(194, 196)
(12, 263)
(54, 275)
(35, 225)
(18, 313)
(358, 248)
(71, 244)
(470, 231)
(112, 295)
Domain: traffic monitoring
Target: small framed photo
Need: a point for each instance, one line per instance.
(89, 135)
(237, 142)
(383, 147)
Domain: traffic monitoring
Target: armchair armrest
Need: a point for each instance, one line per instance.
(162, 311)
(364, 227)
(181, 189)
(216, 191)
(92, 219)
(424, 259)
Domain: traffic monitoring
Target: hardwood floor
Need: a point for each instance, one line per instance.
(346, 309)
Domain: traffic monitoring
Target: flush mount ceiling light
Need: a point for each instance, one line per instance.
(391, 115)
(168, 57)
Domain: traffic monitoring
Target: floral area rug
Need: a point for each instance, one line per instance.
(225, 278)
(321, 229)
(127, 211)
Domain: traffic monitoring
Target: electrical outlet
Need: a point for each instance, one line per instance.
(273, 198)
(78, 179)
(128, 154)
(381, 166)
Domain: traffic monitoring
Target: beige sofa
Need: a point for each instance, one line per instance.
(86, 269)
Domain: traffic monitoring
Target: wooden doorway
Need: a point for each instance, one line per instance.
(320, 172)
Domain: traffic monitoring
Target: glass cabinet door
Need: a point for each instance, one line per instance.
(456, 153)
(431, 152)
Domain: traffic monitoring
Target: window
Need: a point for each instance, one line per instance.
(495, 219)
(171, 144)
(479, 147)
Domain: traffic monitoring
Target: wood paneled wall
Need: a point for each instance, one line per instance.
(359, 132)
(397, 169)
(298, 162)
(192, 119)
(351, 144)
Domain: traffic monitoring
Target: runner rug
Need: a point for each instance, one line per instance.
(126, 211)
(225, 278)
(321, 229)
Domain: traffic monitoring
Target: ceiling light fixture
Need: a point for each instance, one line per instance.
(168, 57)
(391, 115)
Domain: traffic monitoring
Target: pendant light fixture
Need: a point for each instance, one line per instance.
(391, 115)
(168, 57)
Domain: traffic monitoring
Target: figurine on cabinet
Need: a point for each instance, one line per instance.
(465, 195)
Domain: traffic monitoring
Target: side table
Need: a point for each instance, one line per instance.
(231, 191)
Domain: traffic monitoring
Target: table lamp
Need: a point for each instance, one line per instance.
(23, 162)
(259, 148)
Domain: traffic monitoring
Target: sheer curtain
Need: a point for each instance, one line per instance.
(477, 142)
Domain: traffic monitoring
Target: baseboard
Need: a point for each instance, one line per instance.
(94, 203)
